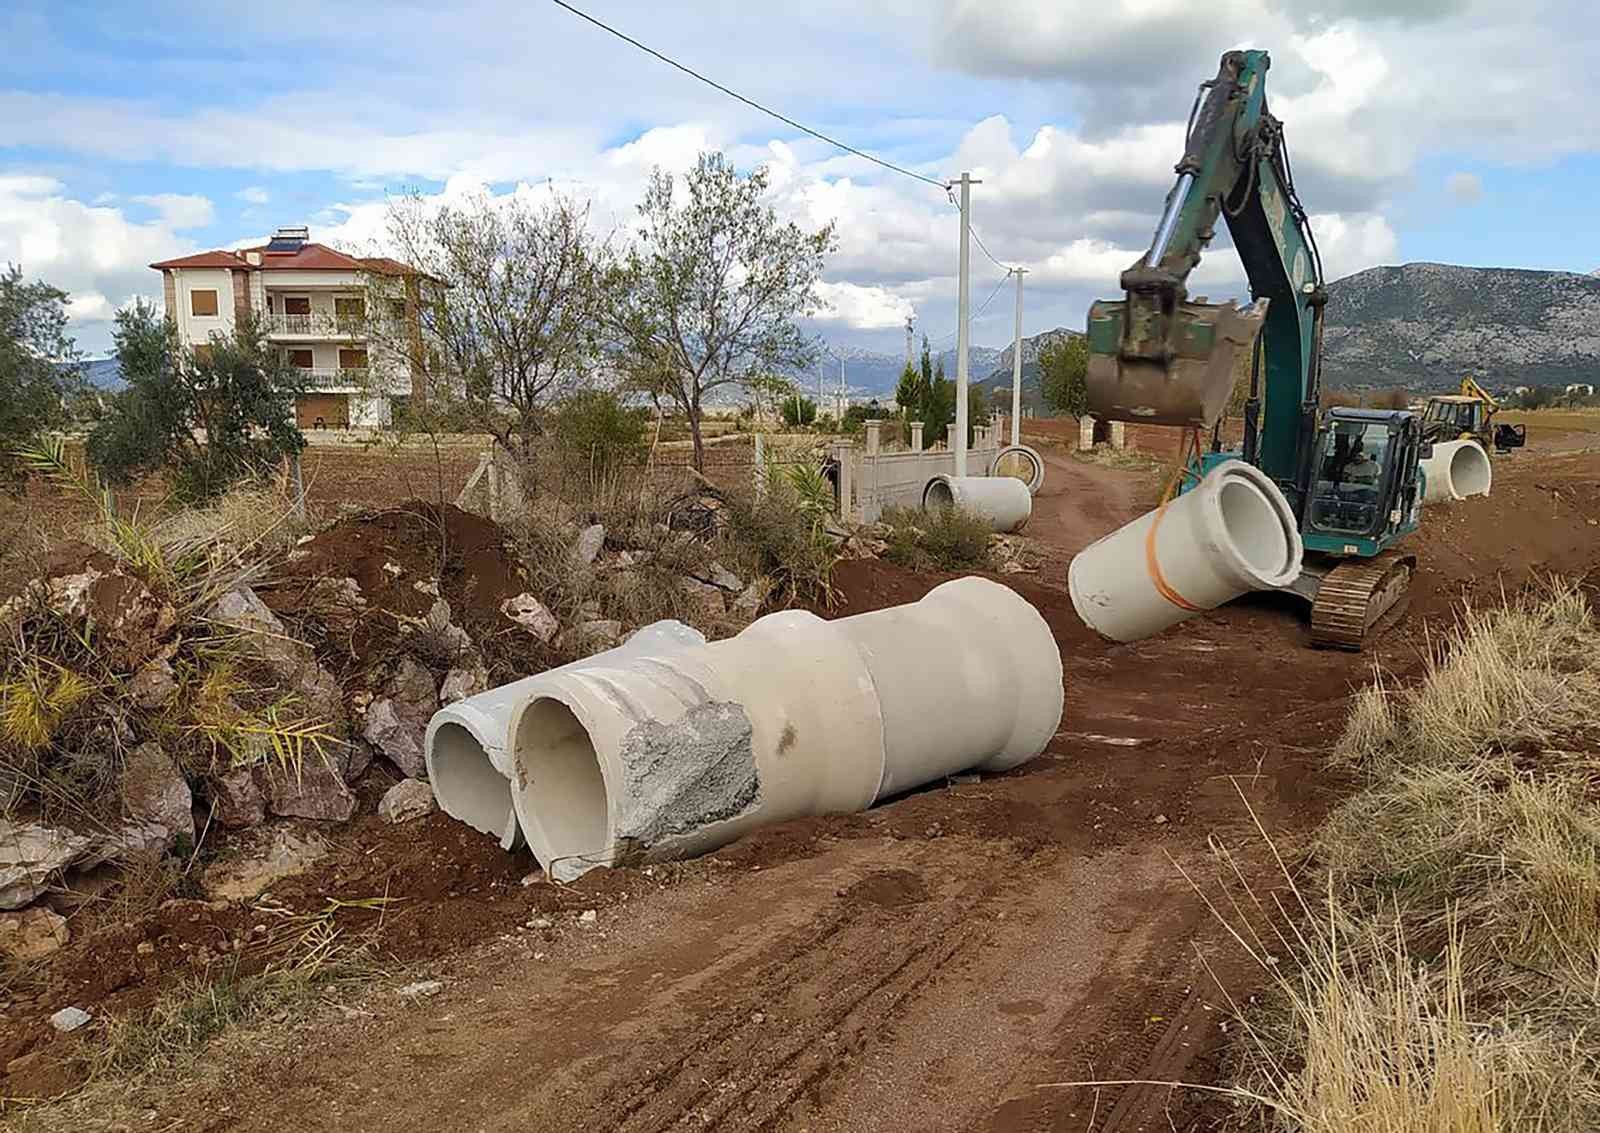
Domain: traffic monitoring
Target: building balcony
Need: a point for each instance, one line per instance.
(352, 380)
(316, 325)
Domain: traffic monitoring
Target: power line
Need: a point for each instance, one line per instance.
(748, 101)
(982, 307)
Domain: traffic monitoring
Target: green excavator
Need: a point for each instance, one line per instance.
(1156, 357)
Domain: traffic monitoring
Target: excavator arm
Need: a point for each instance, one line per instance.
(1159, 358)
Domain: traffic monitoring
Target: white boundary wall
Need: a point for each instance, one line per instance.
(871, 479)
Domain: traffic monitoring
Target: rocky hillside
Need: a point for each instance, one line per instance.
(1000, 377)
(1424, 325)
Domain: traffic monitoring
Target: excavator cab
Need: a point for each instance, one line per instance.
(1363, 480)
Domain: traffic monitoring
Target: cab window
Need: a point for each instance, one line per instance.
(1348, 492)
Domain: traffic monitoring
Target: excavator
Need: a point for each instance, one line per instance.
(1469, 415)
(1156, 357)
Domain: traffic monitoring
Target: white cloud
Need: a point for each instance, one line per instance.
(180, 210)
(863, 308)
(92, 252)
(1464, 188)
(253, 195)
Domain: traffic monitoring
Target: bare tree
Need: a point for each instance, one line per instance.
(710, 293)
(496, 301)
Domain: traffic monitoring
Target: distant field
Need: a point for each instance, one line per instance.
(1562, 420)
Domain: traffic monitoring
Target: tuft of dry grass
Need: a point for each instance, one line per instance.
(937, 539)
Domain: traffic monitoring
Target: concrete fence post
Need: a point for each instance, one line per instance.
(950, 436)
(1086, 432)
(1119, 435)
(874, 437)
(916, 436)
(845, 453)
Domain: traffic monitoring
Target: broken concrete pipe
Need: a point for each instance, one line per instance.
(649, 757)
(1020, 463)
(1232, 533)
(467, 746)
(1456, 470)
(1002, 501)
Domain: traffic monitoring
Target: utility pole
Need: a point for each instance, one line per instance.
(840, 416)
(964, 322)
(1016, 366)
(909, 324)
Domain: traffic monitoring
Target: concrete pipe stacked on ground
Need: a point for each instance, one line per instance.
(1003, 501)
(1456, 470)
(1232, 533)
(646, 758)
(468, 743)
(1014, 461)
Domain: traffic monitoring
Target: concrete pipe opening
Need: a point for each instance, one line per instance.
(1004, 503)
(1254, 528)
(1020, 463)
(466, 783)
(1456, 470)
(563, 787)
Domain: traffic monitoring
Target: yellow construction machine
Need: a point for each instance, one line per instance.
(1469, 415)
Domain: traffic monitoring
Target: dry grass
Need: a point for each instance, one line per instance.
(1450, 978)
(937, 539)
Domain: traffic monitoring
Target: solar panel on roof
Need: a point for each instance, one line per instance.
(284, 247)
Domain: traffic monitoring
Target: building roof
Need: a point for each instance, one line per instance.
(309, 257)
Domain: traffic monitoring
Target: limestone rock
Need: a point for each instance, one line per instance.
(69, 1019)
(154, 684)
(318, 792)
(397, 723)
(407, 799)
(32, 934)
(128, 621)
(155, 794)
(30, 855)
(464, 682)
(338, 602)
(238, 799)
(270, 854)
(720, 576)
(291, 660)
(749, 601)
(588, 544)
(596, 636)
(707, 601)
(532, 615)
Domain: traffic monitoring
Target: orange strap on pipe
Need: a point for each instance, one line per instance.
(1152, 566)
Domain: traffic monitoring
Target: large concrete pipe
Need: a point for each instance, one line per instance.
(1456, 470)
(1232, 533)
(1020, 463)
(1003, 501)
(467, 746)
(646, 758)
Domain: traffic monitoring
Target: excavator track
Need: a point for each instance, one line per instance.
(1360, 598)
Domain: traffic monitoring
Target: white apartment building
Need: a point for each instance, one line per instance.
(313, 299)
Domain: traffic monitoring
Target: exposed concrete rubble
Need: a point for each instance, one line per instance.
(532, 615)
(698, 769)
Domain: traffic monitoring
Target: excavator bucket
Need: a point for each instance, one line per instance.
(1167, 369)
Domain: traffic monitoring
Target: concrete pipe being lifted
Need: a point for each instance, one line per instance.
(468, 743)
(647, 758)
(1233, 533)
(1456, 470)
(1013, 460)
(1004, 501)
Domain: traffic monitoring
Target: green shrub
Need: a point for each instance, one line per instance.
(945, 539)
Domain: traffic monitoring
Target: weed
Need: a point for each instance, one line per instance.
(937, 539)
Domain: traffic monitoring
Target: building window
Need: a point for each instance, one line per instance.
(397, 310)
(297, 304)
(203, 302)
(349, 307)
(300, 358)
(352, 359)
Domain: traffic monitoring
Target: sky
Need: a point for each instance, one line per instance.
(1460, 131)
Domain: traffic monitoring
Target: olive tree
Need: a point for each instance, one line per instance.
(710, 292)
(1063, 375)
(35, 365)
(496, 301)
